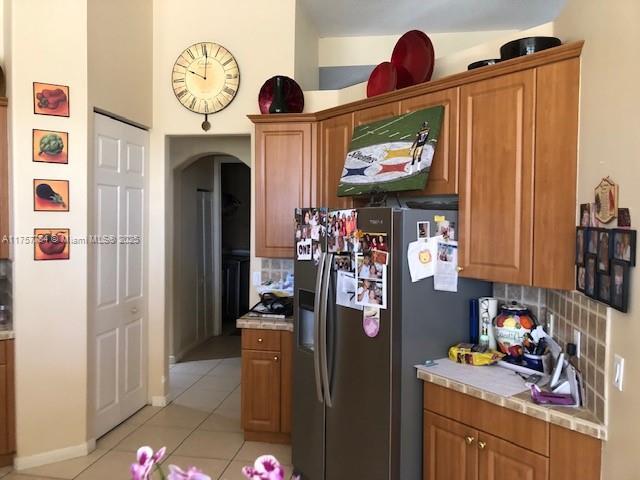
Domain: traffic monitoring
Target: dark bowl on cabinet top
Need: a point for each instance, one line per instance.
(483, 63)
(527, 46)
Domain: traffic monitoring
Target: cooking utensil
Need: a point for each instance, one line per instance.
(293, 96)
(527, 46)
(483, 63)
(414, 58)
(383, 79)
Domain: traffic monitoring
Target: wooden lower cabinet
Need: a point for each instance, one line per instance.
(7, 403)
(465, 438)
(266, 385)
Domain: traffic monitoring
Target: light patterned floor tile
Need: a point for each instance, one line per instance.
(184, 380)
(222, 421)
(210, 466)
(221, 445)
(115, 436)
(66, 469)
(201, 367)
(226, 370)
(4, 471)
(234, 471)
(19, 476)
(232, 361)
(112, 466)
(142, 416)
(225, 384)
(252, 450)
(202, 399)
(178, 416)
(155, 437)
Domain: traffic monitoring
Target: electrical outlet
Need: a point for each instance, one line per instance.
(577, 335)
(618, 371)
(257, 279)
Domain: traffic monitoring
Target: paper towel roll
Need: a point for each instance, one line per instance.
(487, 311)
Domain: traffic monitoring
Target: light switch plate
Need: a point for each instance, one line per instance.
(618, 371)
(577, 336)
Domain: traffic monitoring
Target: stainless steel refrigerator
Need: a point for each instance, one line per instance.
(357, 404)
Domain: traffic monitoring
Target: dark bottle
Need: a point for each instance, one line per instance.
(278, 104)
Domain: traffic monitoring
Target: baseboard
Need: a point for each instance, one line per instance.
(267, 437)
(159, 401)
(31, 461)
(172, 359)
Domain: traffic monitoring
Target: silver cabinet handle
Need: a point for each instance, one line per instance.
(316, 327)
(328, 259)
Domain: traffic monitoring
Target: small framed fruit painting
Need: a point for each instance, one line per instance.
(50, 146)
(50, 195)
(51, 244)
(50, 99)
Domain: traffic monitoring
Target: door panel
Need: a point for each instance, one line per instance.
(335, 137)
(119, 306)
(496, 178)
(261, 403)
(450, 450)
(368, 115)
(443, 175)
(499, 459)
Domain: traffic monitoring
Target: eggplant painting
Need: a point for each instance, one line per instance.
(50, 146)
(50, 195)
(51, 244)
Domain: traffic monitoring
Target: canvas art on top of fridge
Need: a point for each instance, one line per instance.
(390, 155)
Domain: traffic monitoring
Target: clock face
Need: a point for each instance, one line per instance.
(205, 77)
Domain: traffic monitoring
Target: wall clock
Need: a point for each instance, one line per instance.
(205, 79)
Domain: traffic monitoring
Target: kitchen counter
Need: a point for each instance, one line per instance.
(7, 334)
(265, 323)
(576, 419)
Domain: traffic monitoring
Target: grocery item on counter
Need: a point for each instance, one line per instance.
(473, 354)
(512, 329)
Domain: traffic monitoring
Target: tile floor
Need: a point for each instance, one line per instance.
(200, 426)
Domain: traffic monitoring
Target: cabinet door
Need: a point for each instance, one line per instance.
(372, 114)
(260, 391)
(4, 181)
(335, 137)
(284, 174)
(443, 174)
(499, 460)
(450, 450)
(496, 178)
(4, 413)
(286, 373)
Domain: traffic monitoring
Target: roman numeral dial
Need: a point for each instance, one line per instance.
(205, 78)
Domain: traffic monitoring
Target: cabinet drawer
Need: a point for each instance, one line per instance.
(255, 339)
(527, 432)
(3, 352)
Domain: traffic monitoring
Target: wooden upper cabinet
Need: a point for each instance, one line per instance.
(450, 450)
(284, 176)
(4, 181)
(368, 115)
(496, 178)
(443, 175)
(498, 460)
(557, 100)
(261, 402)
(335, 137)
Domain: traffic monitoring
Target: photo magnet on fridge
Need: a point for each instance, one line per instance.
(371, 321)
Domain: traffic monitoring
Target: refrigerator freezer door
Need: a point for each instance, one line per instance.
(358, 423)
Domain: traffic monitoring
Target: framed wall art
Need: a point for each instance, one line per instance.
(50, 146)
(590, 282)
(624, 245)
(604, 250)
(51, 244)
(581, 276)
(592, 240)
(581, 245)
(50, 195)
(604, 288)
(619, 285)
(50, 99)
(606, 196)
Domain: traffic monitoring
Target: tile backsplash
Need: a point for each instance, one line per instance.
(276, 269)
(571, 310)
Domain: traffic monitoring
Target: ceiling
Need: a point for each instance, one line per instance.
(334, 18)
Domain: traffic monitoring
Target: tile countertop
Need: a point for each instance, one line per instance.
(7, 334)
(577, 419)
(265, 323)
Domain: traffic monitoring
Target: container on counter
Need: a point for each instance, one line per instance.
(511, 327)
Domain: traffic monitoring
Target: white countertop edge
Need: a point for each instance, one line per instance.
(7, 335)
(567, 418)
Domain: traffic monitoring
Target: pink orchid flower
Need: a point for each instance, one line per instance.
(176, 473)
(146, 461)
(266, 467)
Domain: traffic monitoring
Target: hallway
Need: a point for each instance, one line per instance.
(200, 427)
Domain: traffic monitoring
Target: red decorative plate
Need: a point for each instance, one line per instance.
(293, 95)
(383, 79)
(414, 58)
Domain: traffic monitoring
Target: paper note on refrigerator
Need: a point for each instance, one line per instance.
(446, 276)
(421, 256)
(346, 290)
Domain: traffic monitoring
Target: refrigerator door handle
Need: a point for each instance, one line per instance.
(323, 331)
(317, 315)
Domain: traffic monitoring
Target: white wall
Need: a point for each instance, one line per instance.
(306, 50)
(50, 298)
(609, 145)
